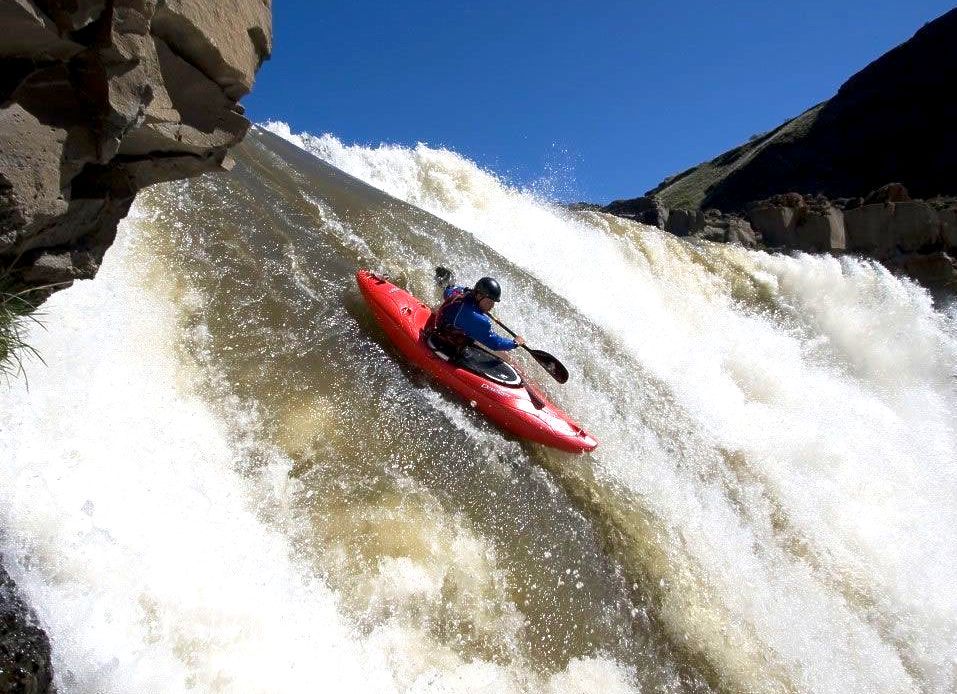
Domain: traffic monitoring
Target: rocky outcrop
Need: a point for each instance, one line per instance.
(880, 229)
(793, 221)
(886, 224)
(892, 121)
(710, 225)
(24, 649)
(685, 222)
(917, 237)
(98, 100)
(644, 210)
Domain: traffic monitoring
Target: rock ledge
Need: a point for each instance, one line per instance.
(98, 100)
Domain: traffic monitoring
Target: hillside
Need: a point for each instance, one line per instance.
(892, 121)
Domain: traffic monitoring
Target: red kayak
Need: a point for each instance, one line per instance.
(492, 386)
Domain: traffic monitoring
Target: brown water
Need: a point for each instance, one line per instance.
(741, 527)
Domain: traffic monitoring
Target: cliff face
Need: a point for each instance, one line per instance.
(892, 121)
(99, 99)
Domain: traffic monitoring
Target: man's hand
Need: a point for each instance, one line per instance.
(520, 340)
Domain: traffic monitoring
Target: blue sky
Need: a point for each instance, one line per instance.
(584, 100)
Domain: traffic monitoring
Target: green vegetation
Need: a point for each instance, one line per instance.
(15, 311)
(690, 189)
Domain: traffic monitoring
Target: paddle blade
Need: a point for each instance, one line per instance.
(554, 367)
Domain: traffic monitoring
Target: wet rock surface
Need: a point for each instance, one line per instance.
(98, 100)
(24, 648)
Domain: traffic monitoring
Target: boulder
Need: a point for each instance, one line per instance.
(712, 232)
(793, 221)
(646, 210)
(914, 225)
(685, 222)
(207, 35)
(879, 230)
(739, 232)
(868, 230)
(948, 227)
(722, 228)
(821, 230)
(24, 648)
(776, 224)
(933, 269)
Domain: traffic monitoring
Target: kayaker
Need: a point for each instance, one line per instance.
(462, 318)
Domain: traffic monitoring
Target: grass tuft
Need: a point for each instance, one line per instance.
(16, 312)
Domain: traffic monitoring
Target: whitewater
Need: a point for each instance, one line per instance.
(224, 480)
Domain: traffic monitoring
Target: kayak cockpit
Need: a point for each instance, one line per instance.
(480, 363)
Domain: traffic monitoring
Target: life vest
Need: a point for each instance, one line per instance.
(443, 332)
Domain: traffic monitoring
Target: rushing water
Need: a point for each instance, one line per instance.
(224, 479)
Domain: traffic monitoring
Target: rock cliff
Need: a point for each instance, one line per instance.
(101, 98)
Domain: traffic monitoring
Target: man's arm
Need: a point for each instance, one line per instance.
(481, 331)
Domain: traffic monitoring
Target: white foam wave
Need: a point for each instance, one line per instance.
(129, 528)
(830, 382)
(160, 560)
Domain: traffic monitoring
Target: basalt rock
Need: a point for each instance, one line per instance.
(644, 209)
(880, 229)
(739, 231)
(916, 237)
(803, 223)
(24, 648)
(936, 268)
(98, 100)
(713, 225)
(683, 222)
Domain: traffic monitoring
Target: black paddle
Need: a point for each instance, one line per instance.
(554, 367)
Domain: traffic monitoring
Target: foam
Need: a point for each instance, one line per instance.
(815, 465)
(129, 528)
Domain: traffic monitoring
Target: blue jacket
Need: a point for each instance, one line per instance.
(466, 316)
